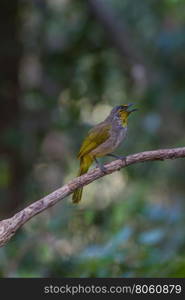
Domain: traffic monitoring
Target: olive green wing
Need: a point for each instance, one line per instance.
(96, 136)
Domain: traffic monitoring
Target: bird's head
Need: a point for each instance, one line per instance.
(122, 112)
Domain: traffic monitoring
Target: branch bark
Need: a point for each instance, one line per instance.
(8, 227)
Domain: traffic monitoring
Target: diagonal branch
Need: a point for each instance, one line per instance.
(9, 226)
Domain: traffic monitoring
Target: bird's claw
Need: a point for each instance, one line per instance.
(101, 167)
(124, 158)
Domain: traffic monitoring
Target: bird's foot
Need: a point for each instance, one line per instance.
(100, 166)
(123, 158)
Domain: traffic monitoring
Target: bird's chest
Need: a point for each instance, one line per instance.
(119, 135)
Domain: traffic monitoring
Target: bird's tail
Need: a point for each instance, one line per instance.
(85, 163)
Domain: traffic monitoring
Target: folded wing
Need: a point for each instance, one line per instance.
(97, 136)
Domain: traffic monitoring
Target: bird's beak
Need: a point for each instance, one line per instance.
(135, 109)
(132, 110)
(130, 104)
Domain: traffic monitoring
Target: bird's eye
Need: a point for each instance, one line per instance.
(124, 107)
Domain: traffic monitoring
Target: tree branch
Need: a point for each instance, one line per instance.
(9, 226)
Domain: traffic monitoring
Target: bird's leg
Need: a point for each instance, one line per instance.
(116, 156)
(100, 166)
(124, 158)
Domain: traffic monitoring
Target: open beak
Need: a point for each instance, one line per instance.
(132, 110)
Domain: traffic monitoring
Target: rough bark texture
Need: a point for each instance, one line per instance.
(9, 226)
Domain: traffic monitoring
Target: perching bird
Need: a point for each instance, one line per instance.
(102, 140)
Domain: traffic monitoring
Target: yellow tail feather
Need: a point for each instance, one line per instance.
(85, 163)
(77, 195)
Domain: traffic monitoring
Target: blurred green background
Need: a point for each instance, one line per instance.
(64, 65)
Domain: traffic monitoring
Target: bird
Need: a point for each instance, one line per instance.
(102, 140)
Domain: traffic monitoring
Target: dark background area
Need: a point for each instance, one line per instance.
(64, 65)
